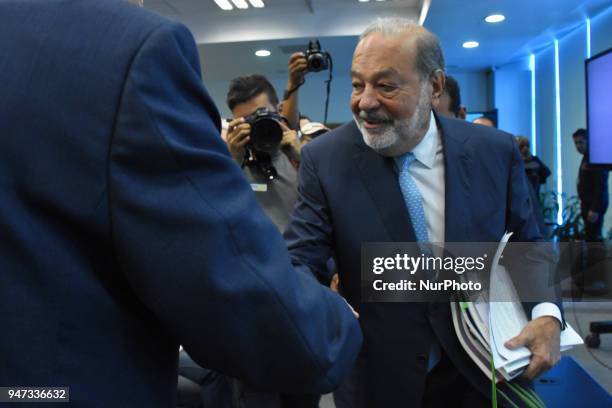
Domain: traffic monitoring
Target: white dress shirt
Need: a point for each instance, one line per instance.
(428, 174)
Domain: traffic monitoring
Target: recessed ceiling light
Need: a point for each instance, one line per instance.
(470, 44)
(495, 18)
(224, 4)
(263, 53)
(257, 3)
(241, 4)
(363, 1)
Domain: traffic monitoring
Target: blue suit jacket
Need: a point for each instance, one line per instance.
(348, 194)
(126, 228)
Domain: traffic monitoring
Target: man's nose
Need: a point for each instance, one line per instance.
(369, 100)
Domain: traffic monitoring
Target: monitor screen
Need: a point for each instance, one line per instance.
(599, 109)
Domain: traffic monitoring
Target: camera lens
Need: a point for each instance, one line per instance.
(315, 63)
(266, 135)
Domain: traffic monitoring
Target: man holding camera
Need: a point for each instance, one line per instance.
(300, 63)
(262, 144)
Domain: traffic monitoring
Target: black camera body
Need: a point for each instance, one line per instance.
(266, 131)
(317, 59)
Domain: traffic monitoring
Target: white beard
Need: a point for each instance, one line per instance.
(389, 137)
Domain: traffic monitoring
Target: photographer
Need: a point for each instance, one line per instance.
(267, 150)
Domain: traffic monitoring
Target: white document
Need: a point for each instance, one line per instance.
(507, 318)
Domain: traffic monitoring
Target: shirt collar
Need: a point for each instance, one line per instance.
(425, 151)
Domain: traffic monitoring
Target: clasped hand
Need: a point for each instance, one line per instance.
(542, 337)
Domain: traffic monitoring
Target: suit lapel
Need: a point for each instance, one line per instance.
(381, 181)
(457, 168)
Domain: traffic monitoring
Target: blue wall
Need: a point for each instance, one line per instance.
(545, 111)
(512, 90)
(473, 85)
(513, 99)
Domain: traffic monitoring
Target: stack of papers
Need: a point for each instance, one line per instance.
(483, 327)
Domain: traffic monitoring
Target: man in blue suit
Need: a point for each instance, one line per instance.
(470, 185)
(127, 229)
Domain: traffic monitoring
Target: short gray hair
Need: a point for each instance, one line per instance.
(429, 56)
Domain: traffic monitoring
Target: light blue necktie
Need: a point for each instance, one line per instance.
(414, 204)
(413, 200)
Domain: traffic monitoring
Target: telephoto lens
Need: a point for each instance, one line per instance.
(266, 131)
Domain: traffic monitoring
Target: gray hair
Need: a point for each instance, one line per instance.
(429, 56)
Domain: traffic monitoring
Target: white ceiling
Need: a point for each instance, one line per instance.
(280, 19)
(529, 25)
(227, 40)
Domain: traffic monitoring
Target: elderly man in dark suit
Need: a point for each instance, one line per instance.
(127, 229)
(401, 173)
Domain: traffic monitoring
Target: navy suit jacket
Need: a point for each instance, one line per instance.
(126, 228)
(349, 194)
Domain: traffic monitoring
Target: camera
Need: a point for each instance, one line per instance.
(317, 60)
(266, 131)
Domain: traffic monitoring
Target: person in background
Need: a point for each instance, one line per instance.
(450, 100)
(592, 190)
(272, 174)
(536, 171)
(304, 120)
(277, 196)
(483, 120)
(309, 130)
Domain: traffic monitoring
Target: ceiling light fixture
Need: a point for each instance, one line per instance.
(257, 3)
(224, 4)
(363, 1)
(263, 53)
(495, 18)
(470, 44)
(241, 4)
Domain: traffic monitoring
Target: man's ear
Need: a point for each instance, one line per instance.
(437, 80)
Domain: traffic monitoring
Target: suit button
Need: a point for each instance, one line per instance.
(422, 357)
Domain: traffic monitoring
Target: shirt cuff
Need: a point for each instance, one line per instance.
(547, 309)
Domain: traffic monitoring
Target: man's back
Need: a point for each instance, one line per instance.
(60, 95)
(112, 225)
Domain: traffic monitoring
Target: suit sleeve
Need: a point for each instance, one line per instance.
(196, 247)
(536, 278)
(309, 233)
